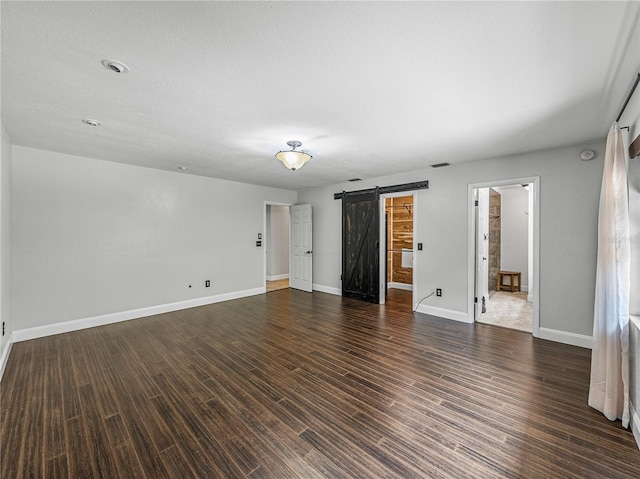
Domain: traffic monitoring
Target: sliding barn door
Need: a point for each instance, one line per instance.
(360, 242)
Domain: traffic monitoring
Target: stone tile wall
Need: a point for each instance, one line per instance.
(495, 227)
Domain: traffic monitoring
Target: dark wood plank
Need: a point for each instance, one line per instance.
(298, 385)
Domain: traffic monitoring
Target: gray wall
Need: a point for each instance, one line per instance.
(569, 195)
(92, 237)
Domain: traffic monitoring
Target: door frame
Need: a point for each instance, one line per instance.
(265, 240)
(383, 244)
(534, 289)
(481, 288)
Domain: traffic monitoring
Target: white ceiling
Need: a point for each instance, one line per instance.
(370, 88)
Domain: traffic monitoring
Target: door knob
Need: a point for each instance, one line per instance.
(308, 252)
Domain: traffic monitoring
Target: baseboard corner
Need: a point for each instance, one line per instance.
(277, 277)
(326, 289)
(565, 337)
(444, 313)
(403, 286)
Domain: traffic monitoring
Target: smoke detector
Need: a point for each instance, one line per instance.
(115, 66)
(586, 155)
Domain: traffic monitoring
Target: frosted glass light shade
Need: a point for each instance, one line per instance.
(293, 159)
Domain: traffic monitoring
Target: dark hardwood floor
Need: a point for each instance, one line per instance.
(298, 385)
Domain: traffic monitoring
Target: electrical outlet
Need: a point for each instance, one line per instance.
(419, 246)
(207, 283)
(438, 292)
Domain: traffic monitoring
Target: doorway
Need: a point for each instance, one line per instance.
(504, 245)
(276, 246)
(397, 265)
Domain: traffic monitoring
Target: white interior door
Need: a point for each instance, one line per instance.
(482, 249)
(301, 272)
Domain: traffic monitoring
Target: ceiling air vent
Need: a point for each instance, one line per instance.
(440, 165)
(115, 66)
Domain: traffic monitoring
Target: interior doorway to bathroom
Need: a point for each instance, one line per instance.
(504, 240)
(396, 249)
(277, 236)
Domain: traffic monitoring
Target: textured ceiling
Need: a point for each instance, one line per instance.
(369, 88)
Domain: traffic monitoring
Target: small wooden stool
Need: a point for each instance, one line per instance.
(511, 286)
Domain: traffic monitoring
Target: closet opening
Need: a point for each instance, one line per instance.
(397, 265)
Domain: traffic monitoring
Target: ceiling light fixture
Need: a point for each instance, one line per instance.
(115, 66)
(293, 159)
(91, 122)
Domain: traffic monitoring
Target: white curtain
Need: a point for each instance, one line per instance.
(609, 388)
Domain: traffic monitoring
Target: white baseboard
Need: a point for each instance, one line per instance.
(567, 338)
(394, 285)
(74, 325)
(635, 424)
(277, 277)
(5, 355)
(444, 313)
(327, 289)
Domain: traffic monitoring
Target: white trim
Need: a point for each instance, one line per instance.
(535, 287)
(444, 313)
(394, 285)
(5, 355)
(327, 289)
(74, 325)
(635, 418)
(635, 424)
(277, 277)
(573, 339)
